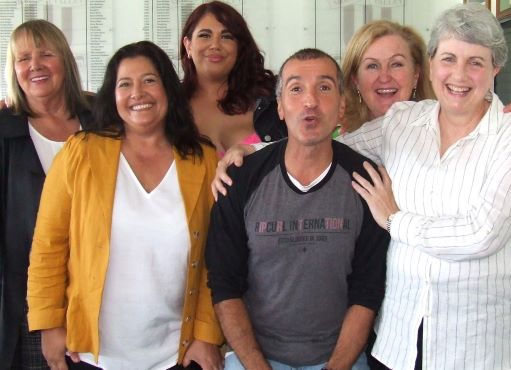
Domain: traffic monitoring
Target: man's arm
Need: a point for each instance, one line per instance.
(238, 331)
(227, 262)
(355, 330)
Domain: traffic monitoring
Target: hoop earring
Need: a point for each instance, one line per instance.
(359, 96)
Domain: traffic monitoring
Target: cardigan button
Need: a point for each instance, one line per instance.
(195, 264)
(196, 235)
(185, 343)
(267, 138)
(191, 292)
(188, 318)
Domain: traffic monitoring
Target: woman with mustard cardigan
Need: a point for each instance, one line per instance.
(116, 273)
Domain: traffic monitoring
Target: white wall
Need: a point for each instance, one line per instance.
(421, 14)
(96, 28)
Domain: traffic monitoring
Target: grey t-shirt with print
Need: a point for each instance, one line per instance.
(302, 257)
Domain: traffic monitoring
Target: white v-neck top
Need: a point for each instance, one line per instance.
(142, 304)
(46, 149)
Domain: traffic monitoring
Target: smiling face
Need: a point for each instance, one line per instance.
(461, 74)
(140, 96)
(310, 102)
(212, 48)
(39, 69)
(387, 74)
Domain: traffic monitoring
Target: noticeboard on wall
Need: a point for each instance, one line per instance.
(95, 29)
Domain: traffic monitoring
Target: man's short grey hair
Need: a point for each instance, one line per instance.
(471, 23)
(308, 54)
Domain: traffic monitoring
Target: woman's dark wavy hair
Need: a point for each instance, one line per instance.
(248, 79)
(180, 128)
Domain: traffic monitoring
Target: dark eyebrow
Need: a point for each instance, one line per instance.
(209, 31)
(328, 77)
(291, 78)
(321, 77)
(152, 74)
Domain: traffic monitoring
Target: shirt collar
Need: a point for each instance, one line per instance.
(489, 124)
(428, 115)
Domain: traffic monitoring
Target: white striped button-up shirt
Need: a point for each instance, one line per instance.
(449, 261)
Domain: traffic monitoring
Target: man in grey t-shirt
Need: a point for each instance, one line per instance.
(296, 262)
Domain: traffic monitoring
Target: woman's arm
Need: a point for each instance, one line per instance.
(367, 140)
(234, 155)
(206, 355)
(47, 273)
(482, 231)
(53, 345)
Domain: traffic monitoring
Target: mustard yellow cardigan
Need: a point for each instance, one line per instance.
(71, 243)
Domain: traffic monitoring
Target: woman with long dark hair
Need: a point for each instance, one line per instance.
(230, 92)
(116, 273)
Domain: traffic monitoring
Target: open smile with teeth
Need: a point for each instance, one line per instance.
(39, 78)
(388, 91)
(140, 107)
(457, 89)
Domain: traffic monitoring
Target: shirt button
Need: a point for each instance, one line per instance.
(267, 138)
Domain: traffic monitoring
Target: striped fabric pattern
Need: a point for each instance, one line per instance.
(449, 261)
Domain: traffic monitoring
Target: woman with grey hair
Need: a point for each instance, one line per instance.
(448, 208)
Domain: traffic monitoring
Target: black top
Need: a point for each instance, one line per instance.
(21, 183)
(267, 124)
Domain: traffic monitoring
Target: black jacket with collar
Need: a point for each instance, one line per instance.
(267, 124)
(21, 183)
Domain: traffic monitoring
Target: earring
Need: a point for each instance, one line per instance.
(489, 96)
(414, 93)
(359, 96)
(189, 55)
